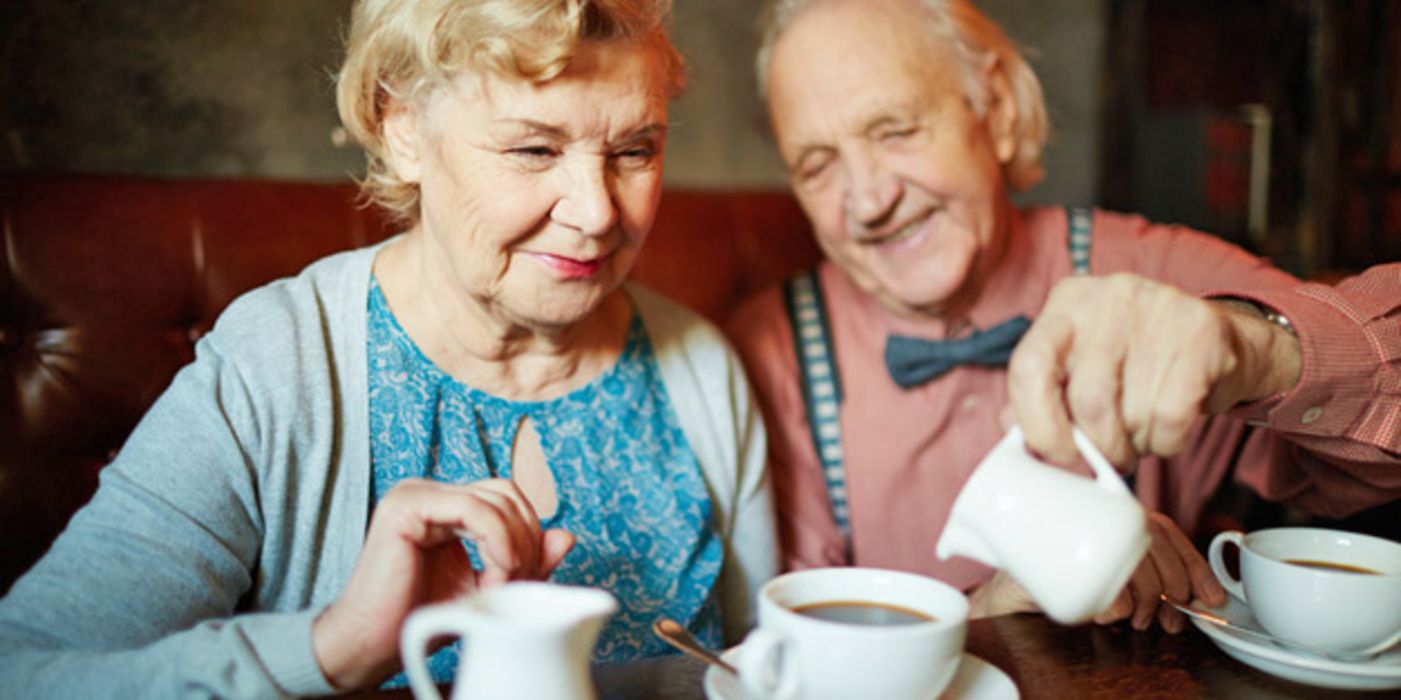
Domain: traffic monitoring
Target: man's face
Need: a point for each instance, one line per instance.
(902, 180)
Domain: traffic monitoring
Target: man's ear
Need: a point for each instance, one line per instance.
(403, 140)
(1002, 113)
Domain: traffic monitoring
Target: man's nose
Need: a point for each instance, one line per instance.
(872, 191)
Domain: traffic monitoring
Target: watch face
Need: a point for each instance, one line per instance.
(1278, 319)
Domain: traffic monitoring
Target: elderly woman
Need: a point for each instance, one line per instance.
(481, 398)
(906, 125)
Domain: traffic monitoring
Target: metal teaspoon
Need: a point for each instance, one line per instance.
(678, 636)
(1213, 618)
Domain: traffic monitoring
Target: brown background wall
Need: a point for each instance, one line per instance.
(243, 88)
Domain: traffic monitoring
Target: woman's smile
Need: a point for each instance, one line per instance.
(570, 268)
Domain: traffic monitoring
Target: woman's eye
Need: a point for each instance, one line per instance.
(532, 152)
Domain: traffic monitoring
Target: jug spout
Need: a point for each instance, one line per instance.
(960, 541)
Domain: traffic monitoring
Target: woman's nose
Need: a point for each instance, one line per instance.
(586, 204)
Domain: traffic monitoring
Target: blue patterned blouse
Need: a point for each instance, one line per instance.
(629, 487)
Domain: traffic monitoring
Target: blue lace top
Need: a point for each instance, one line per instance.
(629, 487)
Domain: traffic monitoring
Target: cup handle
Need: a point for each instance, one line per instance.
(766, 667)
(1379, 648)
(1105, 473)
(1218, 562)
(419, 629)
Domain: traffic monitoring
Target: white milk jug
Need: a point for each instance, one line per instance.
(520, 640)
(1071, 542)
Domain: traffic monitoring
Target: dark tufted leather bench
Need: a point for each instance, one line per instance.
(107, 281)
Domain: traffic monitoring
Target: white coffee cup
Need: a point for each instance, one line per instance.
(795, 654)
(1319, 604)
(1069, 541)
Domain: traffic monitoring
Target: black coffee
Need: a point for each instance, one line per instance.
(854, 612)
(1332, 566)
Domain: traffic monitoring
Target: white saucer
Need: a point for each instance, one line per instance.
(1380, 673)
(975, 680)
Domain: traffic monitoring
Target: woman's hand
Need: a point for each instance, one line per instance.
(1173, 567)
(412, 556)
(1133, 363)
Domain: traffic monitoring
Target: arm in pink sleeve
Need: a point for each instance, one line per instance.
(1343, 418)
(1190, 260)
(1332, 445)
(807, 532)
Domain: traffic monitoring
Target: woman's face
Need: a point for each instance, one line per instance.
(536, 197)
(901, 179)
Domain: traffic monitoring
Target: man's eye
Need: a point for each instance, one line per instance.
(896, 134)
(637, 155)
(813, 169)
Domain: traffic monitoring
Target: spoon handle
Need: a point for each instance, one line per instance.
(1213, 618)
(678, 637)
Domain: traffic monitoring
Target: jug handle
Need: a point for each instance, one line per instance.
(1105, 473)
(1379, 648)
(419, 629)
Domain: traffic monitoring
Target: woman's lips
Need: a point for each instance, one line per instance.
(569, 268)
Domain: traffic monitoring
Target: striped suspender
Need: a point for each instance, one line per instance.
(1081, 224)
(822, 388)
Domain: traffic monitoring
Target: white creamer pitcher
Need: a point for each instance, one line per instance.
(1070, 541)
(520, 640)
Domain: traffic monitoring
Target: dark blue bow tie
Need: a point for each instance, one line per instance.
(914, 361)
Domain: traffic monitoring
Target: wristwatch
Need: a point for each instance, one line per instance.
(1278, 319)
(1267, 313)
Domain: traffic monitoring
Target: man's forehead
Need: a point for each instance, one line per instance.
(869, 41)
(866, 87)
(855, 21)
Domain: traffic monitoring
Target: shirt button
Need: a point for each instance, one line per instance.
(1311, 415)
(970, 402)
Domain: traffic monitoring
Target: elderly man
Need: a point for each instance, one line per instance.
(905, 124)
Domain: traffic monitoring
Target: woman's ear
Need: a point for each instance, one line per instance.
(1002, 113)
(403, 140)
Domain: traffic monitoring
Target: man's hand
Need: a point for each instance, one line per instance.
(413, 556)
(1133, 363)
(1173, 567)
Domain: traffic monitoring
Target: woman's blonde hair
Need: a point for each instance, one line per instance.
(973, 38)
(398, 50)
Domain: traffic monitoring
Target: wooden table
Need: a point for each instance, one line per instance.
(1046, 660)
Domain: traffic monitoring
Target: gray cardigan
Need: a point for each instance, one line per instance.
(236, 509)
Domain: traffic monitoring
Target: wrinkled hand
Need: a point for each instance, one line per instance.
(999, 595)
(1173, 567)
(1133, 363)
(413, 556)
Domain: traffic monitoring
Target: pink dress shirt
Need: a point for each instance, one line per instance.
(1332, 448)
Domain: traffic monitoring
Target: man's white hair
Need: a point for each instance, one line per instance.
(973, 39)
